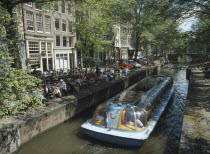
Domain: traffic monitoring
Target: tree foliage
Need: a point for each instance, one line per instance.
(199, 37)
(16, 85)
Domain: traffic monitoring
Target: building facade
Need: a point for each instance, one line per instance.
(49, 35)
(123, 41)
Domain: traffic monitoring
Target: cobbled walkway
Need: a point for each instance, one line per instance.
(196, 124)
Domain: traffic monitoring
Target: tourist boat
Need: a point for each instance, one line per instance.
(130, 117)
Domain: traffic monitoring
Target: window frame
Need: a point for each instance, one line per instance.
(56, 41)
(57, 29)
(70, 27)
(34, 52)
(30, 20)
(69, 8)
(71, 43)
(65, 41)
(39, 23)
(47, 24)
(63, 6)
(64, 25)
(56, 4)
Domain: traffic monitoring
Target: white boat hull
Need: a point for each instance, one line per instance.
(123, 137)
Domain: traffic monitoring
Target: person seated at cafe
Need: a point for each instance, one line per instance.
(98, 72)
(34, 71)
(45, 91)
(46, 73)
(108, 74)
(62, 85)
(69, 72)
(28, 66)
(125, 70)
(91, 75)
(56, 91)
(76, 87)
(70, 86)
(61, 72)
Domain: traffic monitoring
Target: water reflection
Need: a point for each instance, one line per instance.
(69, 138)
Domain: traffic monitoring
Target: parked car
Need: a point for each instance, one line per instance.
(125, 64)
(142, 61)
(135, 64)
(204, 64)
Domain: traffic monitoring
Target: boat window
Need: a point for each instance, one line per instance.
(127, 120)
(141, 118)
(100, 116)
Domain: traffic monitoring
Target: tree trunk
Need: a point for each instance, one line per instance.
(137, 45)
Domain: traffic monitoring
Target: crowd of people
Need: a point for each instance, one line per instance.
(62, 83)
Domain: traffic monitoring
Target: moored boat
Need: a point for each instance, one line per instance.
(130, 117)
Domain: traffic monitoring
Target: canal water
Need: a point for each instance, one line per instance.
(69, 138)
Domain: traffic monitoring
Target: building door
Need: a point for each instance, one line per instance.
(44, 64)
(71, 61)
(50, 64)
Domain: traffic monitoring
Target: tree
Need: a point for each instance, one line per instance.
(94, 21)
(199, 36)
(15, 85)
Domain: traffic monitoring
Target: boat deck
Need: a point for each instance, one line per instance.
(134, 95)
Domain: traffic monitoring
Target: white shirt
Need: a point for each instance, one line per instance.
(62, 84)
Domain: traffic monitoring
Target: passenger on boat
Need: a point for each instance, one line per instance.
(130, 120)
(128, 117)
(138, 121)
(101, 116)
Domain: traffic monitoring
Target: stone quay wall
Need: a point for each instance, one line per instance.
(23, 128)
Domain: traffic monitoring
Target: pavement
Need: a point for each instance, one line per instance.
(195, 138)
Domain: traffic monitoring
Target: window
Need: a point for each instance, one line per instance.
(33, 48)
(70, 42)
(56, 6)
(64, 42)
(69, 8)
(63, 7)
(70, 27)
(43, 47)
(63, 25)
(49, 49)
(30, 20)
(58, 41)
(39, 22)
(57, 23)
(61, 61)
(99, 117)
(47, 24)
(77, 16)
(78, 36)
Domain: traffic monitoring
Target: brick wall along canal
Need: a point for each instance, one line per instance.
(69, 138)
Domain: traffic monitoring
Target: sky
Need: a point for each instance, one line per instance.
(187, 24)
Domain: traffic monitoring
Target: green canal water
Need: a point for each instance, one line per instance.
(69, 138)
